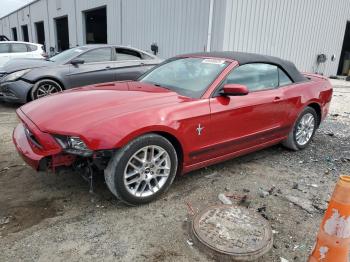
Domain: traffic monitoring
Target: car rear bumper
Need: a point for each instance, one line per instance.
(15, 92)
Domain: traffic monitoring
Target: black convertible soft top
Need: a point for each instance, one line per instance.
(248, 58)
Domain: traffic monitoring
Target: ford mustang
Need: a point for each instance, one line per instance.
(189, 112)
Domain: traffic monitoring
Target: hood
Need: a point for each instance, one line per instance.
(26, 63)
(78, 109)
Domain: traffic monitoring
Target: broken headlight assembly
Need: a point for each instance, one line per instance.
(73, 145)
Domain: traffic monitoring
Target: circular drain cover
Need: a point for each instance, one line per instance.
(233, 231)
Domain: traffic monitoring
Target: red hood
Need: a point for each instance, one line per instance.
(79, 108)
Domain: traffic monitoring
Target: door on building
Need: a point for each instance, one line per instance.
(40, 33)
(344, 61)
(25, 33)
(14, 34)
(62, 33)
(96, 26)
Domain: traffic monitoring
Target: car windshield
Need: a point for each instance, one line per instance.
(186, 76)
(67, 55)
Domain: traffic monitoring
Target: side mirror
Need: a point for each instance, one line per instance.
(234, 90)
(77, 61)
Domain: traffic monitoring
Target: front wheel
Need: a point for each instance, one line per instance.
(45, 87)
(142, 170)
(303, 130)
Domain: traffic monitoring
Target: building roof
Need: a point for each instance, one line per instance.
(249, 58)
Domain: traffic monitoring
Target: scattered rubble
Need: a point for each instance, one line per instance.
(301, 202)
(224, 199)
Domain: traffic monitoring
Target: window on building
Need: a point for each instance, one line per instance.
(97, 55)
(62, 33)
(40, 32)
(96, 26)
(255, 76)
(127, 54)
(19, 48)
(25, 33)
(14, 34)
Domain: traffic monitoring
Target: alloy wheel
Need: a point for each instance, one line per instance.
(147, 171)
(305, 129)
(46, 89)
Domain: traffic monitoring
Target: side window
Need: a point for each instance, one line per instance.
(97, 55)
(148, 57)
(284, 80)
(127, 54)
(32, 47)
(255, 76)
(19, 48)
(4, 48)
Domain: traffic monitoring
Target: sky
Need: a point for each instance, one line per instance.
(7, 6)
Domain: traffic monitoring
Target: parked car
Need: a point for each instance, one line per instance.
(189, 112)
(28, 79)
(14, 49)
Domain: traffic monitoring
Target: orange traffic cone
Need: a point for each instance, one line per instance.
(333, 239)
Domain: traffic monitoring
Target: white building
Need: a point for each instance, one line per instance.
(298, 30)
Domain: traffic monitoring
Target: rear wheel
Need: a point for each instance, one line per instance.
(303, 130)
(142, 170)
(45, 87)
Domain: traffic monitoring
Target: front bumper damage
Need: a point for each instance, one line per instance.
(36, 155)
(15, 92)
(42, 152)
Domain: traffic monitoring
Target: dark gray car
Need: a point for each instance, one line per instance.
(23, 80)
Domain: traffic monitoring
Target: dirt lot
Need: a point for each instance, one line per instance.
(48, 217)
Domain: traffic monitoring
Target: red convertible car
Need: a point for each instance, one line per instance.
(189, 112)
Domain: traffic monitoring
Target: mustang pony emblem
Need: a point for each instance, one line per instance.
(199, 129)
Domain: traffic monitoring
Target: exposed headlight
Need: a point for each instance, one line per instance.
(14, 76)
(73, 145)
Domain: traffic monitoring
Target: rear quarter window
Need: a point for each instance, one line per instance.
(284, 80)
(32, 47)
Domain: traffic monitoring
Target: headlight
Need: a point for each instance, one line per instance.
(73, 145)
(14, 76)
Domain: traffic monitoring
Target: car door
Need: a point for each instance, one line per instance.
(19, 50)
(242, 122)
(131, 64)
(97, 68)
(4, 53)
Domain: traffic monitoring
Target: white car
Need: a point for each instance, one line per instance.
(15, 49)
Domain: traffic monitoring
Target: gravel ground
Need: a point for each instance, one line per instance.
(52, 217)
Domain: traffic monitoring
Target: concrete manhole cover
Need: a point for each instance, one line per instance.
(235, 232)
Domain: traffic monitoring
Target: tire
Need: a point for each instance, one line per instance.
(124, 161)
(45, 87)
(292, 141)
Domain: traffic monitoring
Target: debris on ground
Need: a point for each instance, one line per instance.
(283, 259)
(263, 193)
(4, 221)
(301, 202)
(189, 242)
(224, 199)
(214, 174)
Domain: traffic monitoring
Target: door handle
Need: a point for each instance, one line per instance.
(108, 67)
(276, 99)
